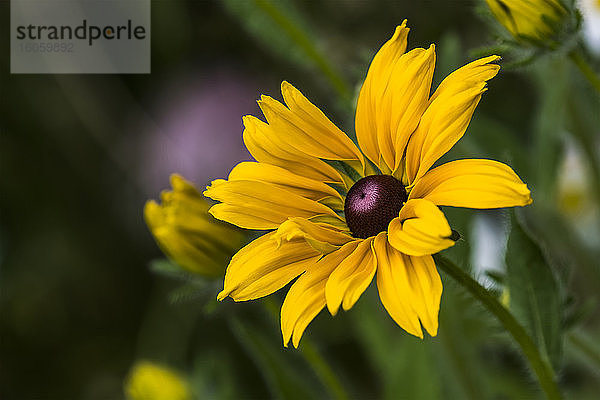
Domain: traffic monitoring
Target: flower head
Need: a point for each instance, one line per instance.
(186, 232)
(149, 381)
(340, 216)
(528, 19)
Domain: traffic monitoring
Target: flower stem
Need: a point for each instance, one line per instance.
(540, 366)
(585, 69)
(315, 359)
(304, 42)
(323, 370)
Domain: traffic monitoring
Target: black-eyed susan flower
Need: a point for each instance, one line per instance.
(532, 20)
(187, 233)
(151, 381)
(340, 216)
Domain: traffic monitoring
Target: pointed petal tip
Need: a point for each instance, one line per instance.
(150, 204)
(222, 294)
(285, 85)
(286, 342)
(432, 332)
(333, 309)
(399, 29)
(296, 342)
(529, 201)
(246, 119)
(175, 178)
(212, 212)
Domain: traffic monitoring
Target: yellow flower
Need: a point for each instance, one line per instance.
(187, 234)
(528, 19)
(341, 215)
(149, 381)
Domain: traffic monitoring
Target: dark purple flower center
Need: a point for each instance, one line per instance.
(372, 203)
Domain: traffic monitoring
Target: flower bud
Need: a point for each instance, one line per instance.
(529, 20)
(149, 381)
(188, 234)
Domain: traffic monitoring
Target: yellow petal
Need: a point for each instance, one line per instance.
(268, 146)
(264, 266)
(379, 73)
(352, 276)
(392, 284)
(306, 297)
(284, 179)
(448, 115)
(260, 205)
(393, 98)
(322, 237)
(410, 288)
(426, 288)
(473, 183)
(420, 229)
(299, 137)
(315, 134)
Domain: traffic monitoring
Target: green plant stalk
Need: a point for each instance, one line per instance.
(315, 359)
(539, 364)
(322, 369)
(304, 42)
(585, 69)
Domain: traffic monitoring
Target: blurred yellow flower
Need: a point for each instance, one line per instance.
(149, 381)
(378, 213)
(528, 19)
(187, 234)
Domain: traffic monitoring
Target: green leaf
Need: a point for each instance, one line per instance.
(535, 294)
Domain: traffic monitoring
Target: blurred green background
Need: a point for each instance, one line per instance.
(80, 155)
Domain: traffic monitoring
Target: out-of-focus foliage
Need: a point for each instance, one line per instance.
(79, 305)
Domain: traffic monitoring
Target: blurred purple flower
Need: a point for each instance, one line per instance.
(198, 131)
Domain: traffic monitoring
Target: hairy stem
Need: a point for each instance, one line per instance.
(541, 367)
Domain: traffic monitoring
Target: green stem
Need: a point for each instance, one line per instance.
(540, 366)
(304, 42)
(585, 69)
(315, 359)
(322, 369)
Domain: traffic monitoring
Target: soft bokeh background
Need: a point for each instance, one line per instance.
(80, 155)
